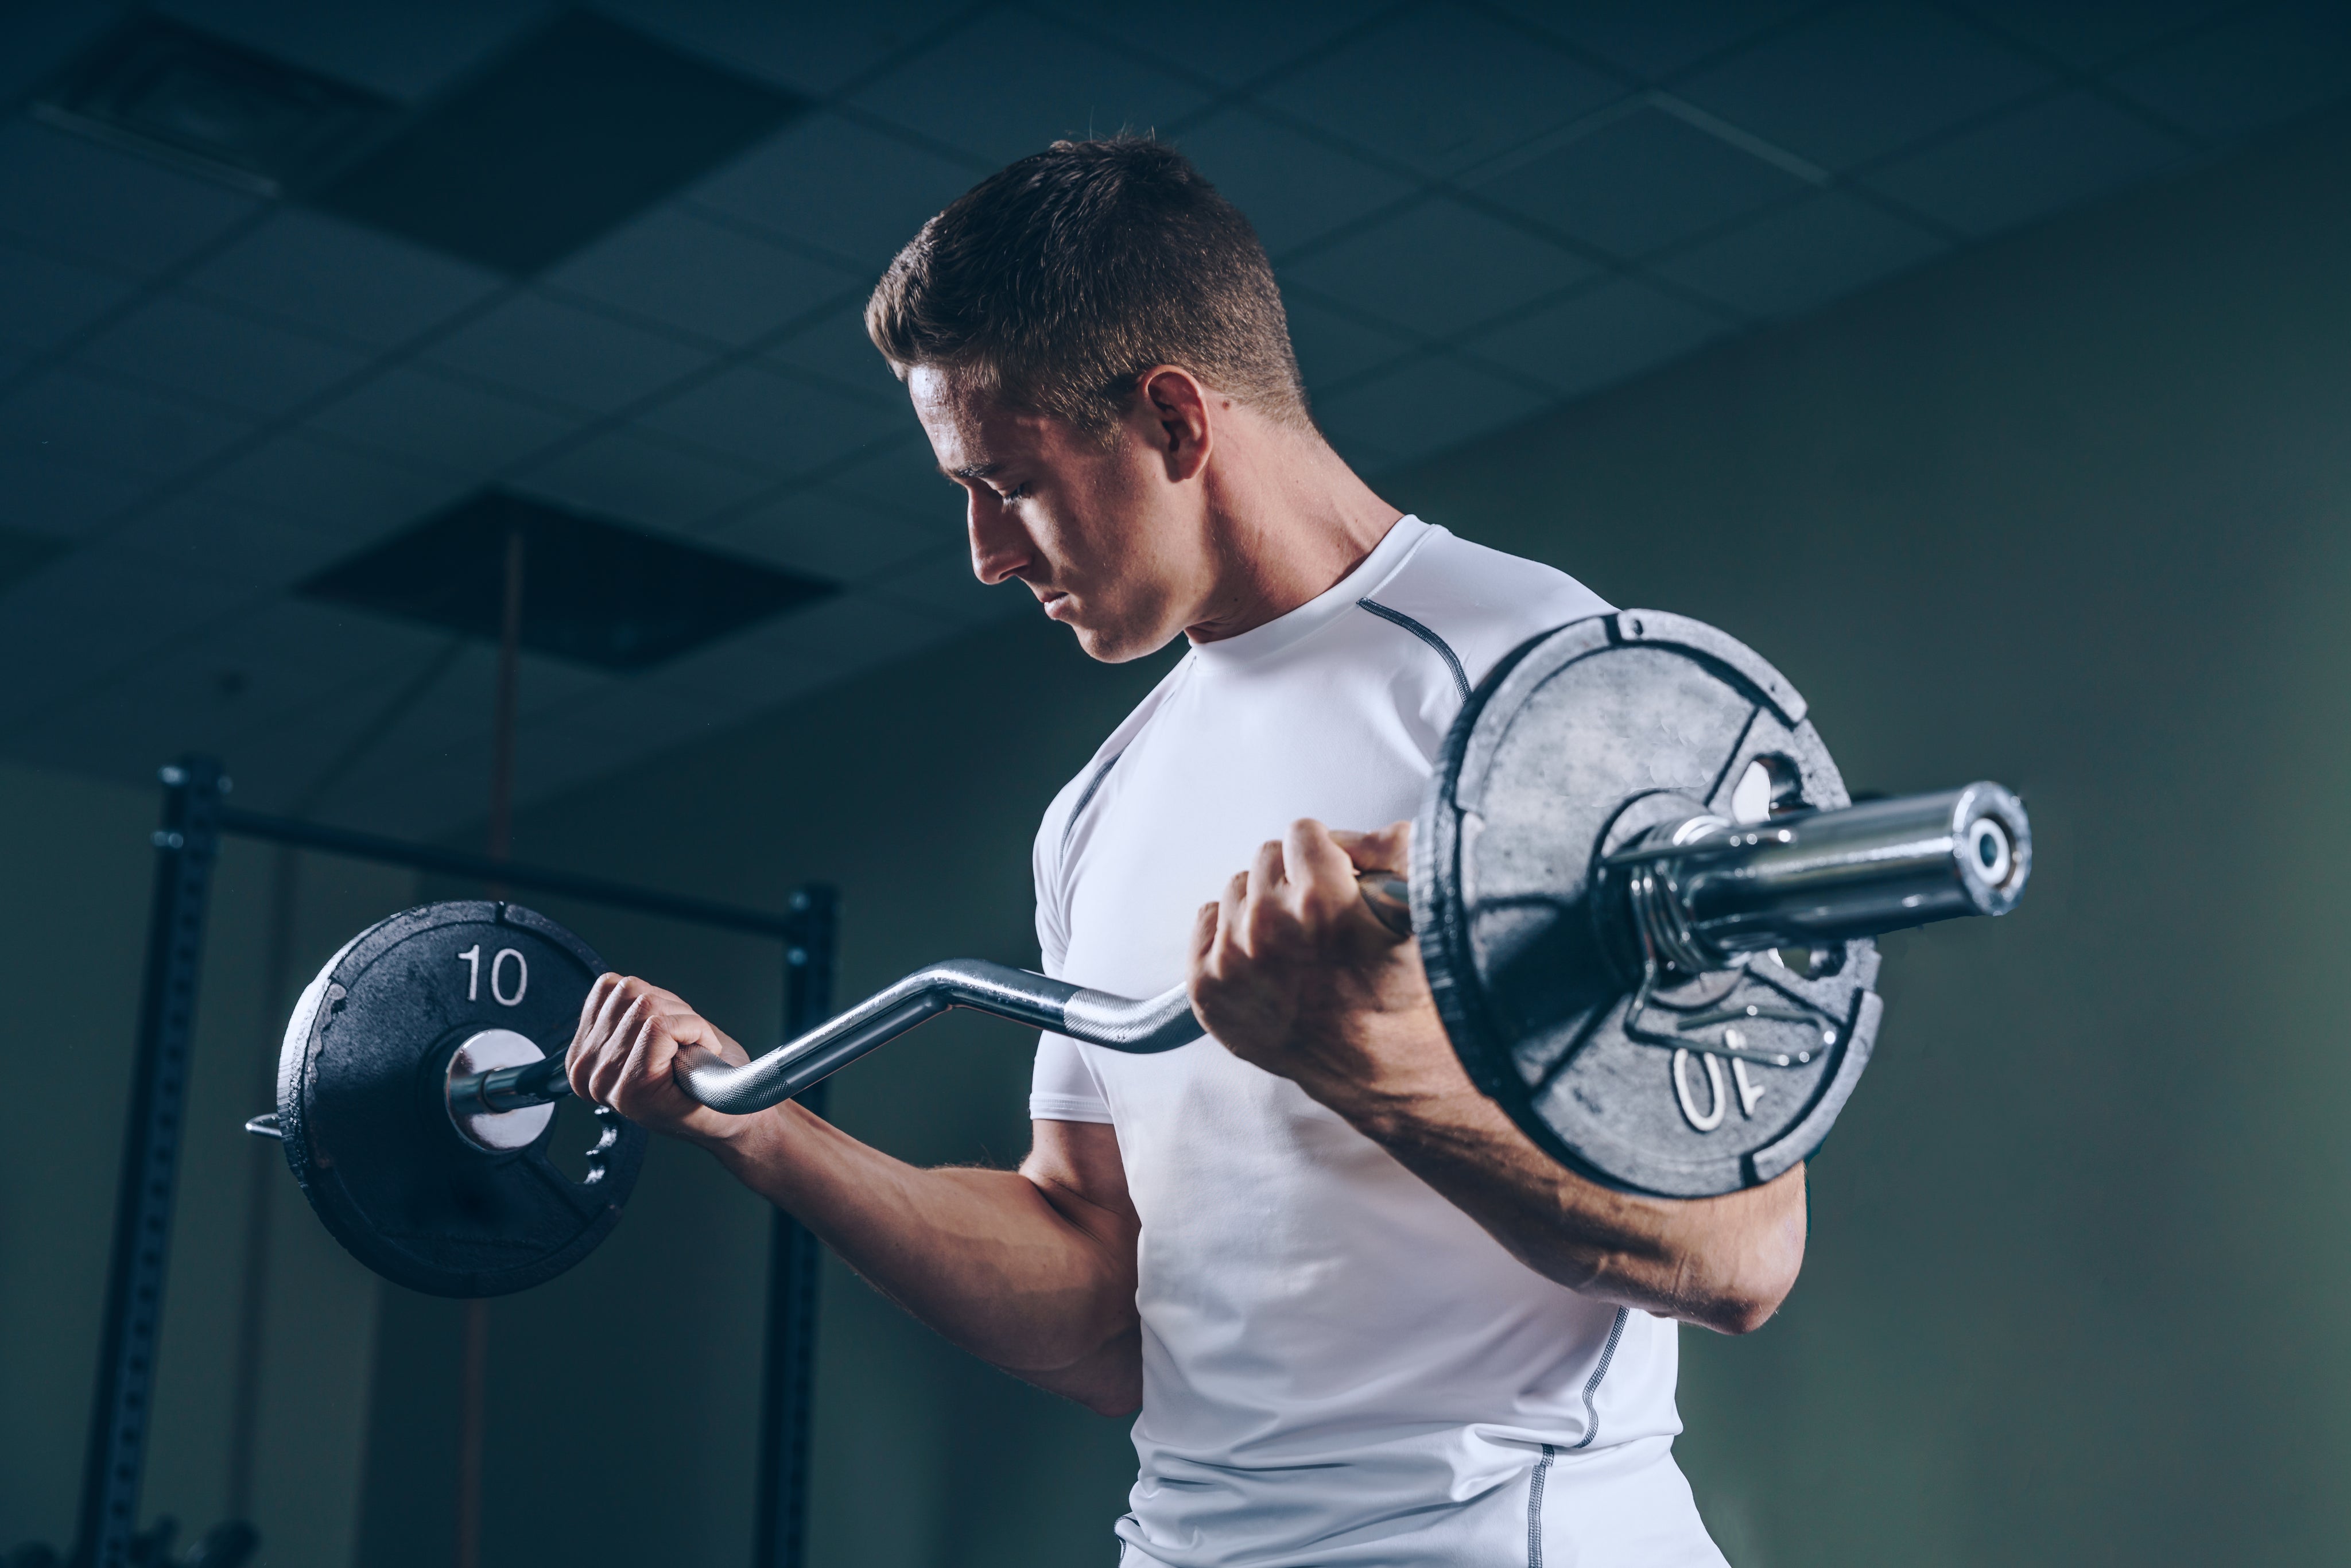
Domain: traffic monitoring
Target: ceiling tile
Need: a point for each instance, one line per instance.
(1332, 347)
(583, 125)
(841, 186)
(211, 356)
(1802, 256)
(339, 280)
(44, 300)
(1003, 87)
(405, 50)
(2253, 71)
(290, 655)
(2058, 152)
(1638, 184)
(1420, 409)
(80, 199)
(941, 583)
(96, 419)
(44, 492)
(206, 533)
(631, 476)
(816, 48)
(1439, 267)
(855, 630)
(1443, 86)
(907, 478)
(2093, 32)
(94, 611)
(1616, 330)
(1864, 81)
(334, 485)
(1655, 39)
(238, 686)
(38, 40)
(703, 277)
(434, 421)
(1292, 188)
(829, 533)
(835, 347)
(561, 353)
(783, 421)
(1234, 41)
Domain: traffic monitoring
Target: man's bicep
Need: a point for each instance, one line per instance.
(1081, 1161)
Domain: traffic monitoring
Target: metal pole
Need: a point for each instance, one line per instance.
(794, 1260)
(185, 846)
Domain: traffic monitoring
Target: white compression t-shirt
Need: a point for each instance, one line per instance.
(1340, 1367)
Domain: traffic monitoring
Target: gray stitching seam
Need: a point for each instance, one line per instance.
(1086, 798)
(1592, 1388)
(1535, 1508)
(1460, 676)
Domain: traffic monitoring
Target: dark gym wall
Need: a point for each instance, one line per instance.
(72, 934)
(2068, 512)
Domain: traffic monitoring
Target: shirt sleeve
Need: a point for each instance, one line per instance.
(1062, 1087)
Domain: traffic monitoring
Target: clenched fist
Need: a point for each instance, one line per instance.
(1292, 972)
(635, 1041)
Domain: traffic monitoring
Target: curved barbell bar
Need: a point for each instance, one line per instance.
(1715, 890)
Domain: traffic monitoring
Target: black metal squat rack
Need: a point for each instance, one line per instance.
(186, 845)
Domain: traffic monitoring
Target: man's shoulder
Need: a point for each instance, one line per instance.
(1478, 602)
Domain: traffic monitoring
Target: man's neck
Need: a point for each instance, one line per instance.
(1288, 519)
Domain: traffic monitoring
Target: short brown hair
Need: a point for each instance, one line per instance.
(1062, 277)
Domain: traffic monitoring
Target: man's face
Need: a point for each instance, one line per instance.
(1101, 535)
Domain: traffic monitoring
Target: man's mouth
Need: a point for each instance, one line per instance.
(1053, 602)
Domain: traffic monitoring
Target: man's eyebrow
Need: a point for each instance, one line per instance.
(972, 471)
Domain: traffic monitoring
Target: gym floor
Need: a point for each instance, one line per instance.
(1985, 365)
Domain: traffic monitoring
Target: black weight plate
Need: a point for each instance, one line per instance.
(1581, 738)
(366, 1130)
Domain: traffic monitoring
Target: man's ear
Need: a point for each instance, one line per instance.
(1176, 407)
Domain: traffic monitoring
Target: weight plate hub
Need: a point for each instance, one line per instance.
(360, 1101)
(1583, 739)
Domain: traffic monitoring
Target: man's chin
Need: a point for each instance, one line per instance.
(1113, 644)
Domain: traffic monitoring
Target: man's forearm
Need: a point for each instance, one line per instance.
(1023, 1272)
(1724, 1263)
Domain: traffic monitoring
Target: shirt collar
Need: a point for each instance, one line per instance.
(1261, 642)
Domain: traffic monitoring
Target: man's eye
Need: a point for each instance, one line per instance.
(1018, 492)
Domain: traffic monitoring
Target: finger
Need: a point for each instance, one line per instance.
(1320, 869)
(1269, 886)
(1268, 871)
(617, 1058)
(579, 1059)
(1204, 932)
(1228, 935)
(1384, 849)
(650, 1050)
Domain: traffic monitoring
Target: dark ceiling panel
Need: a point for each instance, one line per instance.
(594, 593)
(583, 126)
(203, 102)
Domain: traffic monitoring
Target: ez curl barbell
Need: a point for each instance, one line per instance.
(1643, 900)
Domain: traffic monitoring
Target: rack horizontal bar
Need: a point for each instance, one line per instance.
(510, 874)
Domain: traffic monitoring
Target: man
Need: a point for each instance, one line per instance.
(1363, 1319)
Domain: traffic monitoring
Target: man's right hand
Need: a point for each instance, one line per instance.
(634, 1040)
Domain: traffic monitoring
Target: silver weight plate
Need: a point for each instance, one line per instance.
(362, 1107)
(1580, 740)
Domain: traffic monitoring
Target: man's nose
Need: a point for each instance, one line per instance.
(999, 546)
